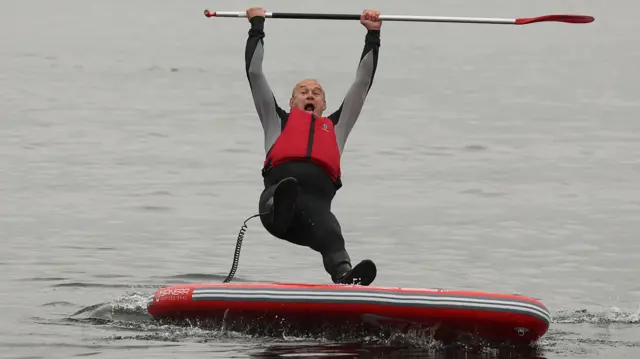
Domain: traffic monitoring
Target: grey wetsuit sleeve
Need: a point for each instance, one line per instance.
(344, 118)
(271, 115)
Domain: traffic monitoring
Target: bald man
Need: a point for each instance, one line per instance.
(303, 148)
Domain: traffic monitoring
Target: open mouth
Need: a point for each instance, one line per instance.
(309, 107)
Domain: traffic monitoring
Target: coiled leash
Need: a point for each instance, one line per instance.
(236, 255)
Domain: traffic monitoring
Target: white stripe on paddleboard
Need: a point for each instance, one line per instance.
(345, 298)
(360, 292)
(364, 295)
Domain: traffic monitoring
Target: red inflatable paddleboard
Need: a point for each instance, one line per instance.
(449, 314)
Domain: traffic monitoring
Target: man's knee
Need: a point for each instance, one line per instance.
(277, 207)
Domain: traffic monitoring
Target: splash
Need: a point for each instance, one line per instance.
(612, 315)
(128, 308)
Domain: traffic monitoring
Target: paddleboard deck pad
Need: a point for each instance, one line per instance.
(448, 315)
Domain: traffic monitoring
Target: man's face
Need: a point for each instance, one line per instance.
(308, 96)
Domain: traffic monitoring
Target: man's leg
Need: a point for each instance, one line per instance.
(328, 240)
(322, 233)
(278, 205)
(325, 236)
(306, 219)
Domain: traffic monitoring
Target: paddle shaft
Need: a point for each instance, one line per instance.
(575, 19)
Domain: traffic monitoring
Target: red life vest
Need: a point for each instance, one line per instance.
(307, 137)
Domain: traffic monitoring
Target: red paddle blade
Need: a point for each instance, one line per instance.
(572, 19)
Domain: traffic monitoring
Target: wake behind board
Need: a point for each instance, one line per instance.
(449, 314)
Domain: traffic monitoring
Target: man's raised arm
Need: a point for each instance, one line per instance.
(265, 102)
(345, 117)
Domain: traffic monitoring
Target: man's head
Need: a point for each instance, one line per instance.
(308, 96)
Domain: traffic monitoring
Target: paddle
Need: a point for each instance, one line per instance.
(572, 19)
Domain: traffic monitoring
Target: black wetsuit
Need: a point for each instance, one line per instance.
(302, 213)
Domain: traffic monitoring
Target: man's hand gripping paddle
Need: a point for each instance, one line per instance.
(571, 19)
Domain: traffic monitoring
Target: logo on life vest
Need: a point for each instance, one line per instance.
(325, 127)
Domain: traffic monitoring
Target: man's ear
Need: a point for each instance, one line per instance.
(291, 102)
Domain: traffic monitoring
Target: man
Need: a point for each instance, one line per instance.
(302, 166)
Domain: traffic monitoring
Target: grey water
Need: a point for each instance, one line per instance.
(487, 157)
